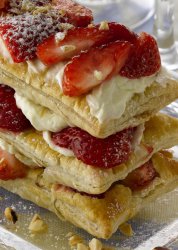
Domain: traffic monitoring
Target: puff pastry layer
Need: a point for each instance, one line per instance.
(161, 132)
(99, 216)
(76, 110)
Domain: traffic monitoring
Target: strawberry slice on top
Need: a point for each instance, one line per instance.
(91, 68)
(63, 46)
(21, 34)
(77, 14)
(10, 167)
(144, 59)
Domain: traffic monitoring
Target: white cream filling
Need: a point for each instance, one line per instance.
(12, 150)
(4, 52)
(40, 117)
(63, 151)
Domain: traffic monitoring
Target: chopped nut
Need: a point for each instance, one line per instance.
(68, 48)
(74, 240)
(59, 36)
(65, 26)
(42, 9)
(10, 214)
(37, 225)
(126, 229)
(62, 12)
(91, 25)
(95, 244)
(81, 246)
(104, 25)
(98, 75)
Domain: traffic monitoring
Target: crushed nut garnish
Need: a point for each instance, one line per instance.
(62, 12)
(10, 214)
(104, 25)
(81, 246)
(37, 225)
(91, 25)
(126, 229)
(74, 240)
(59, 36)
(42, 9)
(68, 48)
(95, 244)
(98, 75)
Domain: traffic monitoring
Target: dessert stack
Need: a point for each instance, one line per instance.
(80, 132)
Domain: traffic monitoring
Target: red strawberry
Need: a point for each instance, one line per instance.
(77, 14)
(52, 51)
(21, 34)
(144, 60)
(3, 4)
(103, 153)
(11, 117)
(10, 167)
(141, 177)
(91, 68)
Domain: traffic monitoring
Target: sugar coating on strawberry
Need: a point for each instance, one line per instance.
(103, 153)
(10, 167)
(141, 177)
(91, 68)
(144, 59)
(77, 39)
(21, 34)
(11, 117)
(78, 15)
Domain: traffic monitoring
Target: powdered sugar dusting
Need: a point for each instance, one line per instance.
(23, 33)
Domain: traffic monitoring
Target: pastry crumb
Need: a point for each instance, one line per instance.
(10, 214)
(95, 244)
(37, 225)
(104, 25)
(126, 229)
(68, 48)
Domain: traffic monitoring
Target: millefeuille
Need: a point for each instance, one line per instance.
(79, 133)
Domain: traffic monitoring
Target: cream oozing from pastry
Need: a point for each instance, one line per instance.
(12, 150)
(4, 52)
(63, 151)
(40, 117)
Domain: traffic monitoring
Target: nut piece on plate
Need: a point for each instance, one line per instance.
(74, 240)
(10, 214)
(81, 246)
(37, 225)
(126, 229)
(95, 244)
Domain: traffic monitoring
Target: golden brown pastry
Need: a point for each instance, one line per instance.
(99, 215)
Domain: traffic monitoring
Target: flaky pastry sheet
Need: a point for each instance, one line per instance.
(101, 215)
(161, 132)
(76, 110)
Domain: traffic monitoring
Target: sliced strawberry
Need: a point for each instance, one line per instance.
(103, 153)
(21, 34)
(144, 60)
(141, 177)
(11, 117)
(3, 4)
(10, 167)
(77, 14)
(53, 51)
(91, 68)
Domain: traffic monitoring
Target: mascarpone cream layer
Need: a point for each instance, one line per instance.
(40, 117)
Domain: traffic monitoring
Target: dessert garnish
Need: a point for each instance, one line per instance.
(104, 153)
(11, 117)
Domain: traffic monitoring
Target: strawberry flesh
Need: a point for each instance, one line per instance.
(11, 117)
(141, 177)
(91, 68)
(144, 59)
(51, 52)
(102, 153)
(10, 167)
(3, 4)
(21, 34)
(77, 14)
